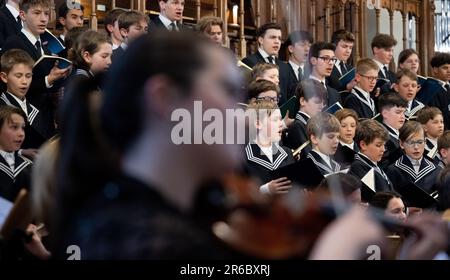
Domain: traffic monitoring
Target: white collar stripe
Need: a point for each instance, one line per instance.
(363, 100)
(271, 166)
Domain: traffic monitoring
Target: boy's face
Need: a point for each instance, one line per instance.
(12, 133)
(434, 127)
(414, 146)
(406, 88)
(100, 60)
(269, 95)
(383, 55)
(323, 64)
(348, 129)
(271, 75)
(394, 116)
(271, 41)
(74, 18)
(215, 34)
(396, 209)
(135, 31)
(374, 150)
(172, 9)
(36, 19)
(344, 50)
(311, 107)
(18, 80)
(442, 72)
(327, 144)
(412, 63)
(271, 126)
(299, 51)
(368, 80)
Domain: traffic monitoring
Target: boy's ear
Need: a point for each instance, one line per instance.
(314, 139)
(4, 77)
(291, 49)
(260, 40)
(396, 87)
(62, 20)
(401, 145)
(362, 145)
(123, 32)
(86, 56)
(22, 15)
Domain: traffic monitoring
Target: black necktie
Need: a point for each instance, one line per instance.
(300, 74)
(447, 87)
(38, 48)
(343, 68)
(386, 73)
(173, 26)
(19, 21)
(270, 58)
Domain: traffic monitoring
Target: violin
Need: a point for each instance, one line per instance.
(269, 227)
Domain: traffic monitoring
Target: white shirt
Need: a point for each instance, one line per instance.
(22, 103)
(381, 66)
(13, 11)
(317, 79)
(9, 158)
(305, 114)
(33, 39)
(361, 154)
(114, 46)
(123, 46)
(338, 65)
(167, 22)
(296, 67)
(268, 152)
(265, 55)
(409, 106)
(351, 146)
(395, 130)
(415, 163)
(326, 158)
(62, 37)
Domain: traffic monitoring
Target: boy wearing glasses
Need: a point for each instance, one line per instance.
(359, 98)
(413, 167)
(392, 110)
(321, 63)
(263, 90)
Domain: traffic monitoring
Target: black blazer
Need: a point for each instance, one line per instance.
(256, 58)
(393, 150)
(361, 166)
(292, 81)
(389, 76)
(296, 133)
(8, 25)
(261, 167)
(401, 173)
(332, 97)
(11, 182)
(441, 100)
(39, 126)
(117, 53)
(155, 24)
(357, 102)
(333, 79)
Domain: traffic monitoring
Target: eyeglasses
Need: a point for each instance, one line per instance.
(370, 78)
(268, 98)
(327, 59)
(414, 143)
